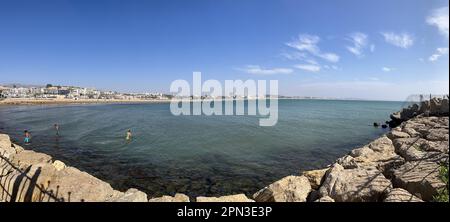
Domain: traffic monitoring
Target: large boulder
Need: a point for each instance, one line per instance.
(401, 195)
(355, 185)
(230, 198)
(6, 147)
(28, 158)
(59, 165)
(415, 149)
(394, 134)
(420, 178)
(26, 185)
(348, 162)
(288, 189)
(315, 177)
(131, 195)
(80, 186)
(177, 198)
(379, 154)
(438, 134)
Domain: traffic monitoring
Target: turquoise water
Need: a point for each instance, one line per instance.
(196, 155)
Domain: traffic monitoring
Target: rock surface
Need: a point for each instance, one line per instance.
(420, 178)
(354, 185)
(177, 198)
(315, 177)
(288, 189)
(325, 199)
(401, 195)
(230, 198)
(131, 195)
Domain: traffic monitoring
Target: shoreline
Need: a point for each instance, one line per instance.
(36, 102)
(400, 166)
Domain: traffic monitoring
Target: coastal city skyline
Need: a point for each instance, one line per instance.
(403, 51)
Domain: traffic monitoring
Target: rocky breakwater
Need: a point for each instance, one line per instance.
(408, 164)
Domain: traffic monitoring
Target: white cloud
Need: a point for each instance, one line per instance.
(308, 43)
(308, 67)
(374, 78)
(257, 70)
(359, 42)
(439, 52)
(387, 69)
(312, 61)
(439, 18)
(403, 40)
(294, 55)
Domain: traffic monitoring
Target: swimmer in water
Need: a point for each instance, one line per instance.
(57, 129)
(27, 139)
(128, 137)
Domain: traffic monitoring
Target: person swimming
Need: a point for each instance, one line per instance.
(27, 139)
(57, 129)
(128, 137)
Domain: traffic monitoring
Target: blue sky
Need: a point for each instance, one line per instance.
(384, 49)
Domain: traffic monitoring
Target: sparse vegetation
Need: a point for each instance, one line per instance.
(442, 195)
(417, 147)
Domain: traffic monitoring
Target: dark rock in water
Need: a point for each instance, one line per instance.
(384, 126)
(375, 124)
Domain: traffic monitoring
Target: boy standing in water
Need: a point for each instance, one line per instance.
(128, 137)
(27, 139)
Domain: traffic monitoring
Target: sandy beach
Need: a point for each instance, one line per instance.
(26, 101)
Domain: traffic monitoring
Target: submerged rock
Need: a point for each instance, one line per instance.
(288, 189)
